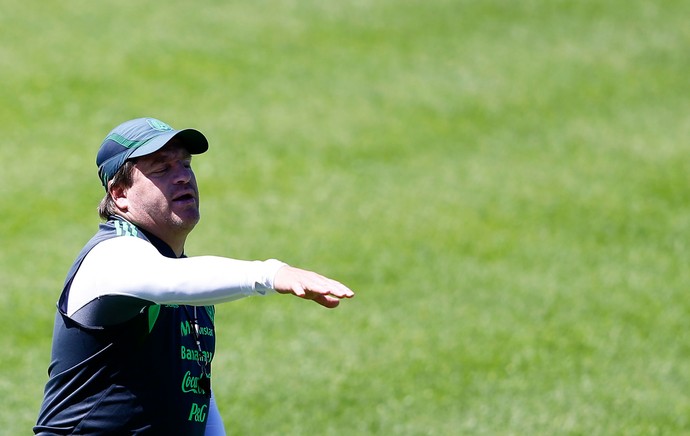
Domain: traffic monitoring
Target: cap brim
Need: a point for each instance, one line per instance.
(193, 140)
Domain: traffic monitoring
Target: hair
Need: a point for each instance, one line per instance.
(122, 178)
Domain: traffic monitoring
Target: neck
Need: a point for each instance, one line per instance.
(177, 248)
(175, 242)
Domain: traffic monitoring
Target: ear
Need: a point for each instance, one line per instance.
(119, 195)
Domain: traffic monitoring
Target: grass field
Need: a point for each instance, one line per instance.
(505, 184)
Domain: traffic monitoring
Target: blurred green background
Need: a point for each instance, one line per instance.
(504, 183)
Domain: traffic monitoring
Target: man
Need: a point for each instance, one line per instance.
(134, 332)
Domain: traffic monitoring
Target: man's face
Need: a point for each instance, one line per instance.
(164, 198)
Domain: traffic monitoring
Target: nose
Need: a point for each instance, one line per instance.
(183, 173)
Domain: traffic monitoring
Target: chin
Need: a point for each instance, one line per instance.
(186, 221)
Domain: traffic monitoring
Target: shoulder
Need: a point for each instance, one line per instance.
(121, 247)
(116, 255)
(118, 226)
(116, 234)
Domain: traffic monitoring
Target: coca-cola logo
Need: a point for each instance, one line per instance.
(190, 384)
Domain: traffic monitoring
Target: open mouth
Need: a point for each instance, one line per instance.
(184, 198)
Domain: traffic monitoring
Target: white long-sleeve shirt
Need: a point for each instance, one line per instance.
(130, 266)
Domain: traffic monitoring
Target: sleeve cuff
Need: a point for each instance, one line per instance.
(269, 270)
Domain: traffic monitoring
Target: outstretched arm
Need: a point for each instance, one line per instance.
(310, 286)
(203, 280)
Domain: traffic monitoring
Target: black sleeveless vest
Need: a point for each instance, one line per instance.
(126, 366)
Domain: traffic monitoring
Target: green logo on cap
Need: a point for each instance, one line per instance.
(158, 125)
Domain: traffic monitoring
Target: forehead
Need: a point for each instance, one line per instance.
(173, 150)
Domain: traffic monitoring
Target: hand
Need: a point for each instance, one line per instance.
(310, 286)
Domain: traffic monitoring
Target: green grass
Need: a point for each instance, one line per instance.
(504, 183)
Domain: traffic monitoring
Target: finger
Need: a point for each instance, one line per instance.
(299, 290)
(327, 301)
(340, 290)
(326, 286)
